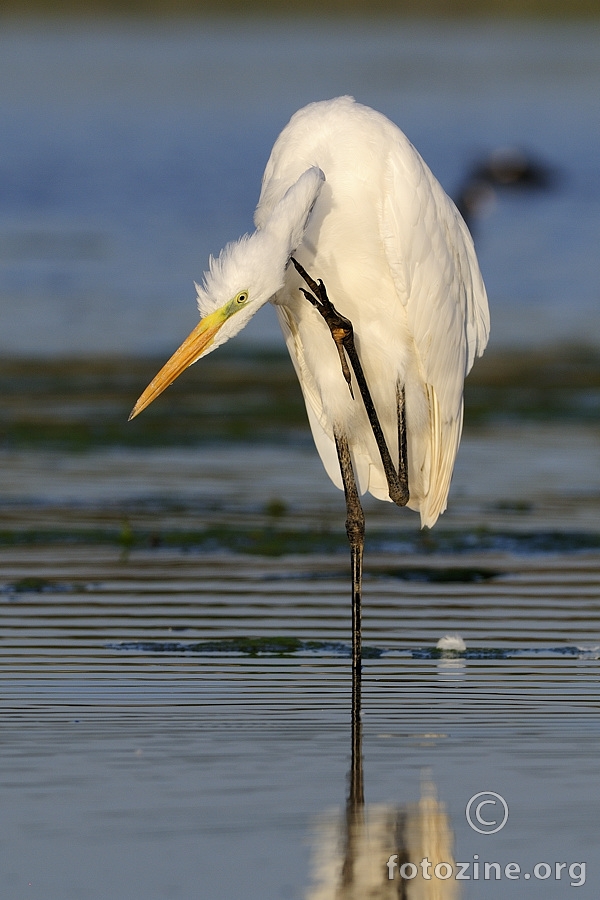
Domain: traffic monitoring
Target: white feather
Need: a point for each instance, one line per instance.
(346, 192)
(399, 262)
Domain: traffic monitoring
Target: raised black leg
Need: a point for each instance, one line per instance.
(402, 449)
(342, 333)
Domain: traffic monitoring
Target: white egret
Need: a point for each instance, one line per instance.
(347, 199)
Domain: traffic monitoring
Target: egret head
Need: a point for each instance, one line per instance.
(245, 276)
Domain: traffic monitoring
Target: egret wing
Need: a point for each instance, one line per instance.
(433, 264)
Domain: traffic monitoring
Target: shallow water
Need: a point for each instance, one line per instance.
(131, 153)
(176, 711)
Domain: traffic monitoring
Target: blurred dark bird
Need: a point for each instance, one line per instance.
(507, 168)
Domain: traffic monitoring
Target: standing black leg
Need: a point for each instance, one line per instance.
(355, 529)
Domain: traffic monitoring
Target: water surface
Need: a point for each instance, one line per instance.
(175, 686)
(175, 666)
(129, 153)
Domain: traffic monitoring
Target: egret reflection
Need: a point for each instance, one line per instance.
(382, 851)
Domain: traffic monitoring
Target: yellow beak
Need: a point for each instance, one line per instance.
(195, 344)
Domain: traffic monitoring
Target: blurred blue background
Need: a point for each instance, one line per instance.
(129, 152)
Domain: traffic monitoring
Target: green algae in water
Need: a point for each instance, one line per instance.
(254, 396)
(349, 9)
(294, 647)
(35, 585)
(77, 404)
(445, 575)
(272, 542)
(249, 646)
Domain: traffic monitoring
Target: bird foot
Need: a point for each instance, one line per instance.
(340, 327)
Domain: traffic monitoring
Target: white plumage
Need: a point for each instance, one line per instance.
(398, 261)
(346, 193)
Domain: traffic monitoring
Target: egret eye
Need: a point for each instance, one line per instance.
(241, 297)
